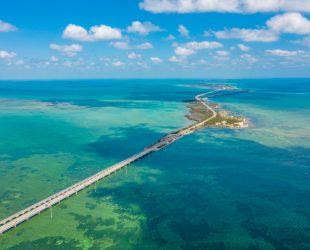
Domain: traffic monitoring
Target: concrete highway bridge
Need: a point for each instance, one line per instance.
(26, 214)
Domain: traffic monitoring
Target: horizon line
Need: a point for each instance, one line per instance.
(150, 78)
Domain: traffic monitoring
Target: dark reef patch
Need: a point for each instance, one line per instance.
(117, 147)
(48, 243)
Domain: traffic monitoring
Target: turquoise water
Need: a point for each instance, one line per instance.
(215, 189)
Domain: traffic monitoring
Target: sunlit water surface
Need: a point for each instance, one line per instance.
(215, 189)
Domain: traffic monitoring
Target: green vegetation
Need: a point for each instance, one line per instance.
(199, 113)
(225, 120)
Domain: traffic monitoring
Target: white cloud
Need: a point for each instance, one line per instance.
(207, 33)
(275, 5)
(74, 63)
(201, 62)
(203, 45)
(177, 59)
(284, 53)
(120, 45)
(183, 31)
(143, 28)
(293, 23)
(134, 56)
(170, 38)
(305, 41)
(54, 59)
(187, 6)
(249, 58)
(144, 46)
(248, 35)
(156, 60)
(222, 55)
(143, 65)
(67, 64)
(233, 6)
(190, 48)
(117, 63)
(106, 61)
(69, 50)
(20, 62)
(6, 27)
(96, 33)
(6, 55)
(182, 51)
(243, 47)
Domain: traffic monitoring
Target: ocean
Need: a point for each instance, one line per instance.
(218, 188)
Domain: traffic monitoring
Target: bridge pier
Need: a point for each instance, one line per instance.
(35, 209)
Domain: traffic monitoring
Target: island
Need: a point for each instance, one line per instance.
(210, 114)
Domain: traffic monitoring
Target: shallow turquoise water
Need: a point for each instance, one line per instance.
(215, 189)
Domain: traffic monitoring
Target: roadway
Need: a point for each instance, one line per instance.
(27, 213)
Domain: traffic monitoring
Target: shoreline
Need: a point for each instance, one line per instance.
(207, 113)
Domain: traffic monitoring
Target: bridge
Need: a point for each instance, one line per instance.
(26, 214)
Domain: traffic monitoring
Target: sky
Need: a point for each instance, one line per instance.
(154, 39)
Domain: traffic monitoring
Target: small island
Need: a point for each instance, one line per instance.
(208, 114)
(199, 113)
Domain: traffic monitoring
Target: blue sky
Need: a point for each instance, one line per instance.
(154, 39)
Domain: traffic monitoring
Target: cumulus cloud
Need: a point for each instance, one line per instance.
(143, 28)
(243, 47)
(6, 27)
(284, 53)
(177, 59)
(144, 46)
(275, 5)
(117, 63)
(20, 62)
(222, 55)
(75, 63)
(187, 6)
(293, 23)
(203, 45)
(54, 59)
(305, 41)
(69, 50)
(6, 55)
(248, 35)
(96, 33)
(207, 33)
(143, 65)
(120, 45)
(183, 31)
(156, 60)
(190, 48)
(134, 56)
(170, 38)
(249, 58)
(233, 6)
(182, 51)
(201, 62)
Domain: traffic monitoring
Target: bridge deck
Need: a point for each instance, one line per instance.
(41, 206)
